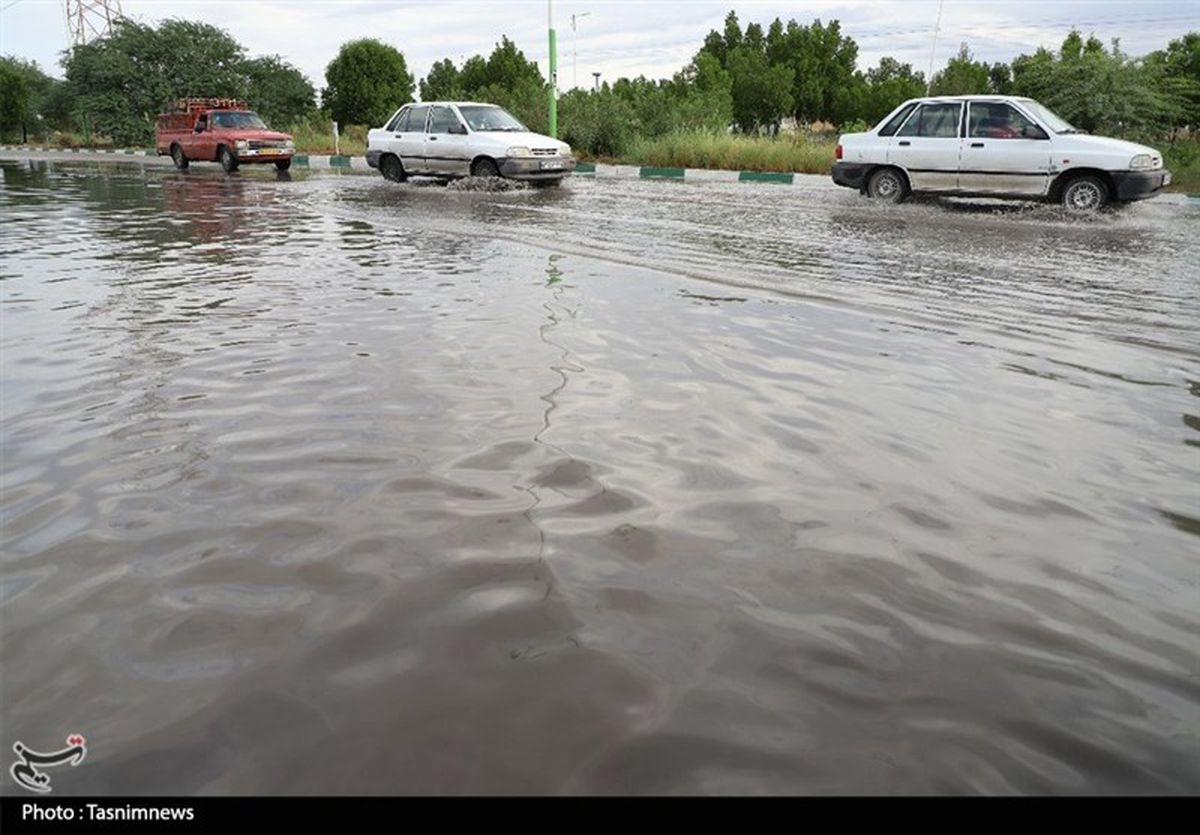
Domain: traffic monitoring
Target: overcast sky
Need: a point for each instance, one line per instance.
(617, 37)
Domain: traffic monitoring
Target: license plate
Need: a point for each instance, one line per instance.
(552, 163)
(1167, 179)
(269, 151)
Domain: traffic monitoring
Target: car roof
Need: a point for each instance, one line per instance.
(971, 98)
(456, 103)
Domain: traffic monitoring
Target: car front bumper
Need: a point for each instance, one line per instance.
(850, 174)
(373, 158)
(251, 156)
(536, 168)
(1138, 185)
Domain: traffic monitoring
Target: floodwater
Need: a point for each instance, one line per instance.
(331, 485)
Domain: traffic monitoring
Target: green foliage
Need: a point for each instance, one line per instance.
(116, 86)
(442, 83)
(280, 92)
(366, 82)
(120, 83)
(598, 124)
(15, 98)
(1100, 89)
(887, 86)
(700, 149)
(962, 76)
(1176, 72)
(762, 92)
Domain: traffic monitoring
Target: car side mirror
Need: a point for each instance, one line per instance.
(199, 127)
(1034, 132)
(459, 129)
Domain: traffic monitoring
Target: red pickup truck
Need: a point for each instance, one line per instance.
(225, 130)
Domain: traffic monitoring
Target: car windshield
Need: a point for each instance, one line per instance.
(239, 119)
(491, 118)
(1050, 119)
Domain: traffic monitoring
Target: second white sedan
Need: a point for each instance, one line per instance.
(448, 140)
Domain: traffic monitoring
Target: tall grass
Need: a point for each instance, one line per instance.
(316, 137)
(1182, 159)
(695, 149)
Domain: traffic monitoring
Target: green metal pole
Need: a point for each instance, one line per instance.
(553, 70)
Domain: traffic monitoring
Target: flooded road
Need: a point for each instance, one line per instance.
(333, 486)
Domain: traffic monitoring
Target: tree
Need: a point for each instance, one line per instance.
(887, 86)
(1176, 71)
(761, 93)
(366, 82)
(1000, 79)
(442, 83)
(15, 98)
(279, 92)
(1095, 88)
(962, 76)
(119, 84)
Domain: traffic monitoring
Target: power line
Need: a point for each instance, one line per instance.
(1032, 24)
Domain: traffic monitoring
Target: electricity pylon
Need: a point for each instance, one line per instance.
(88, 19)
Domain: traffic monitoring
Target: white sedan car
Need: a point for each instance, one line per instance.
(995, 146)
(464, 139)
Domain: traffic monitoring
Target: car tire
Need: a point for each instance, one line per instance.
(392, 169)
(887, 185)
(179, 158)
(228, 161)
(283, 164)
(485, 167)
(1085, 195)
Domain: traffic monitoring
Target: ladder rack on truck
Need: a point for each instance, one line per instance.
(182, 113)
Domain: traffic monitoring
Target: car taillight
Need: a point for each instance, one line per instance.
(837, 152)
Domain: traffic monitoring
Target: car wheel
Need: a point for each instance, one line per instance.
(485, 168)
(1084, 195)
(177, 156)
(392, 169)
(228, 161)
(887, 185)
(283, 164)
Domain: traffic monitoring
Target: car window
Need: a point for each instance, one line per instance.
(238, 119)
(996, 120)
(442, 120)
(490, 118)
(416, 119)
(935, 120)
(398, 120)
(893, 124)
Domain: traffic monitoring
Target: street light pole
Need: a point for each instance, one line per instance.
(575, 50)
(553, 70)
(937, 27)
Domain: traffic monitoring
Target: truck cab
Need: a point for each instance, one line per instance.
(220, 130)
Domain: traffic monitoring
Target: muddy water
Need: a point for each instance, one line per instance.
(329, 485)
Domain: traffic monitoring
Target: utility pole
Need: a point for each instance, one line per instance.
(553, 70)
(575, 50)
(937, 27)
(90, 19)
(596, 85)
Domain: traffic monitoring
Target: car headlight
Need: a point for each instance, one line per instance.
(564, 150)
(1140, 162)
(290, 145)
(242, 144)
(519, 151)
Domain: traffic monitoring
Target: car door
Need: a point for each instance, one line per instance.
(927, 146)
(1005, 152)
(446, 150)
(409, 141)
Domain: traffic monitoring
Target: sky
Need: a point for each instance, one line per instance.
(617, 38)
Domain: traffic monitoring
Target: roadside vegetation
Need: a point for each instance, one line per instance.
(759, 98)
